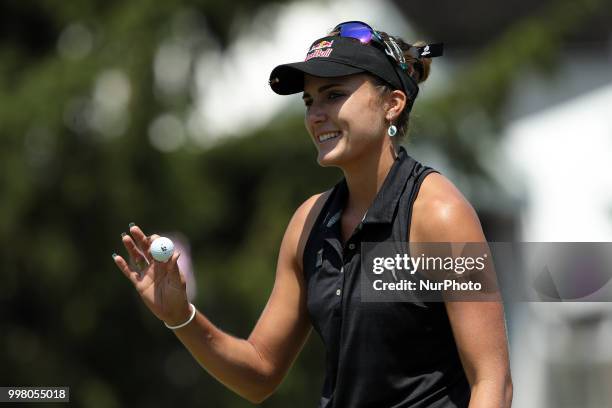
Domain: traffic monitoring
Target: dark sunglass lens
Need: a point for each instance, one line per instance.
(356, 30)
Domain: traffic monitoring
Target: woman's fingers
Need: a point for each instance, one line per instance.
(141, 240)
(151, 238)
(133, 276)
(172, 267)
(137, 258)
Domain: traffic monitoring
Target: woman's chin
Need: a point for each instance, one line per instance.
(329, 153)
(327, 158)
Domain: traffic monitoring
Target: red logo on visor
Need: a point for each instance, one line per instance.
(321, 45)
(317, 50)
(318, 53)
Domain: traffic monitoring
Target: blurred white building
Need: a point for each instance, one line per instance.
(561, 161)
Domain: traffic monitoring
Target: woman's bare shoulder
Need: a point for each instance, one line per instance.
(442, 213)
(308, 211)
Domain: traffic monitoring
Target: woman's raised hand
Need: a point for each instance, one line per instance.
(160, 284)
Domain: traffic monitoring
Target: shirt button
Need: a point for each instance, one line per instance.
(351, 246)
(338, 292)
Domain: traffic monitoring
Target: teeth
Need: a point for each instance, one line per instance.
(327, 136)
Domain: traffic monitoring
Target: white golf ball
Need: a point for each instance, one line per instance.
(162, 249)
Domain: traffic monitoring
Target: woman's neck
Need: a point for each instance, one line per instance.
(365, 179)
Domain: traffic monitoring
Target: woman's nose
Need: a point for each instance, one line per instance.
(315, 115)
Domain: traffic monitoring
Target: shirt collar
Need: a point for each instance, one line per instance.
(385, 203)
(337, 202)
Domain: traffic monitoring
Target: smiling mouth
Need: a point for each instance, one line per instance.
(328, 136)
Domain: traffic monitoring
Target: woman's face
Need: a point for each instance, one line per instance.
(344, 117)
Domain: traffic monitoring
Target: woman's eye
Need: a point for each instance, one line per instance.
(330, 96)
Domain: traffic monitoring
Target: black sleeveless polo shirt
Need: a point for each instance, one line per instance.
(383, 354)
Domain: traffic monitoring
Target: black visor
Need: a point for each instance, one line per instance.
(340, 56)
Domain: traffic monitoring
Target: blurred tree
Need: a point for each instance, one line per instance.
(78, 96)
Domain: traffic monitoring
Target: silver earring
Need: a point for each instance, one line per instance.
(392, 130)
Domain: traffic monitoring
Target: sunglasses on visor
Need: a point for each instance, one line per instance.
(367, 35)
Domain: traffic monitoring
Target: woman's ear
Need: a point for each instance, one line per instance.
(395, 103)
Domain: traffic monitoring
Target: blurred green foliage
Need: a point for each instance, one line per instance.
(67, 191)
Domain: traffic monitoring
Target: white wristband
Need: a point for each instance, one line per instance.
(178, 326)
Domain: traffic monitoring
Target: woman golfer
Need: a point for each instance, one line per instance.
(358, 86)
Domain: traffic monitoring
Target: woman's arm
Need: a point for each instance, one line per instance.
(442, 214)
(251, 367)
